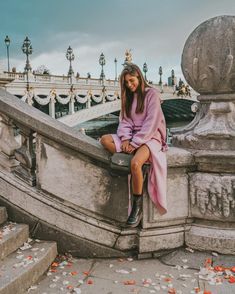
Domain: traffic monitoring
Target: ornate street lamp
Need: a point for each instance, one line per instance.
(28, 50)
(172, 77)
(160, 74)
(102, 63)
(115, 62)
(145, 69)
(7, 42)
(70, 57)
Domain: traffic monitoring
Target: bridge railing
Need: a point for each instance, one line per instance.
(58, 105)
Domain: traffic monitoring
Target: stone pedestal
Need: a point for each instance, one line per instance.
(208, 66)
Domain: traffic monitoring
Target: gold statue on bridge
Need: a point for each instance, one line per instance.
(128, 55)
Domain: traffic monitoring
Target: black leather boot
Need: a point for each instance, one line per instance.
(136, 212)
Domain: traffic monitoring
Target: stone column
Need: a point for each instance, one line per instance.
(209, 68)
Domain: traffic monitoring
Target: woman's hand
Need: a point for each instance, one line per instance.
(131, 149)
(125, 146)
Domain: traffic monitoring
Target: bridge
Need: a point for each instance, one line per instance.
(88, 98)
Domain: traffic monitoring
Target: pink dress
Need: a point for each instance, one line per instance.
(148, 128)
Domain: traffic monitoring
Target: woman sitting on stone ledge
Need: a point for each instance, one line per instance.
(142, 132)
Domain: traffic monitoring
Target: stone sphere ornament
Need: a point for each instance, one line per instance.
(208, 56)
(209, 68)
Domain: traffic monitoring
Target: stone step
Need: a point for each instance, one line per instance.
(3, 215)
(23, 268)
(12, 236)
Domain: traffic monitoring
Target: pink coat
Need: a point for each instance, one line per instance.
(148, 128)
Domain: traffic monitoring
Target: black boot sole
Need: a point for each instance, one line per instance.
(135, 224)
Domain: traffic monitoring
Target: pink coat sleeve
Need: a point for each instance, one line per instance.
(125, 128)
(152, 120)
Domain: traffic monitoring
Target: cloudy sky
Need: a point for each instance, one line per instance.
(155, 31)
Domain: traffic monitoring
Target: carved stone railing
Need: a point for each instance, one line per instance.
(61, 179)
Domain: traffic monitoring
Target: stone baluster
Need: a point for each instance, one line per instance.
(52, 103)
(209, 68)
(103, 93)
(71, 103)
(29, 97)
(88, 104)
(26, 156)
(8, 144)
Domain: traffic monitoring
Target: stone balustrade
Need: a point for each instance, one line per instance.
(61, 178)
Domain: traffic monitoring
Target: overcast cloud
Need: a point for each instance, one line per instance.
(155, 31)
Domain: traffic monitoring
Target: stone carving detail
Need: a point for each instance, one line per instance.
(213, 194)
(26, 156)
(8, 143)
(214, 121)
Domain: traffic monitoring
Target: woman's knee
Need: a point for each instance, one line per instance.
(136, 166)
(105, 140)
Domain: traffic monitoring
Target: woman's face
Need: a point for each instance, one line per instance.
(132, 82)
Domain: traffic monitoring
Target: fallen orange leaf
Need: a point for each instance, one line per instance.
(129, 282)
(86, 273)
(74, 273)
(53, 270)
(69, 287)
(231, 280)
(172, 291)
(208, 261)
(207, 292)
(219, 268)
(55, 264)
(232, 269)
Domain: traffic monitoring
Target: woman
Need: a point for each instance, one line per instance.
(141, 131)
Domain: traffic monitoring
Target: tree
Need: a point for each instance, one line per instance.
(42, 70)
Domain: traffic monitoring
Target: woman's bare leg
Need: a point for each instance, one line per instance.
(140, 157)
(108, 143)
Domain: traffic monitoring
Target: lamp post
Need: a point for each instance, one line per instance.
(70, 57)
(7, 42)
(28, 50)
(115, 62)
(145, 69)
(160, 74)
(102, 63)
(172, 77)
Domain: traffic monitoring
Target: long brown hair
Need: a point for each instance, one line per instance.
(126, 95)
